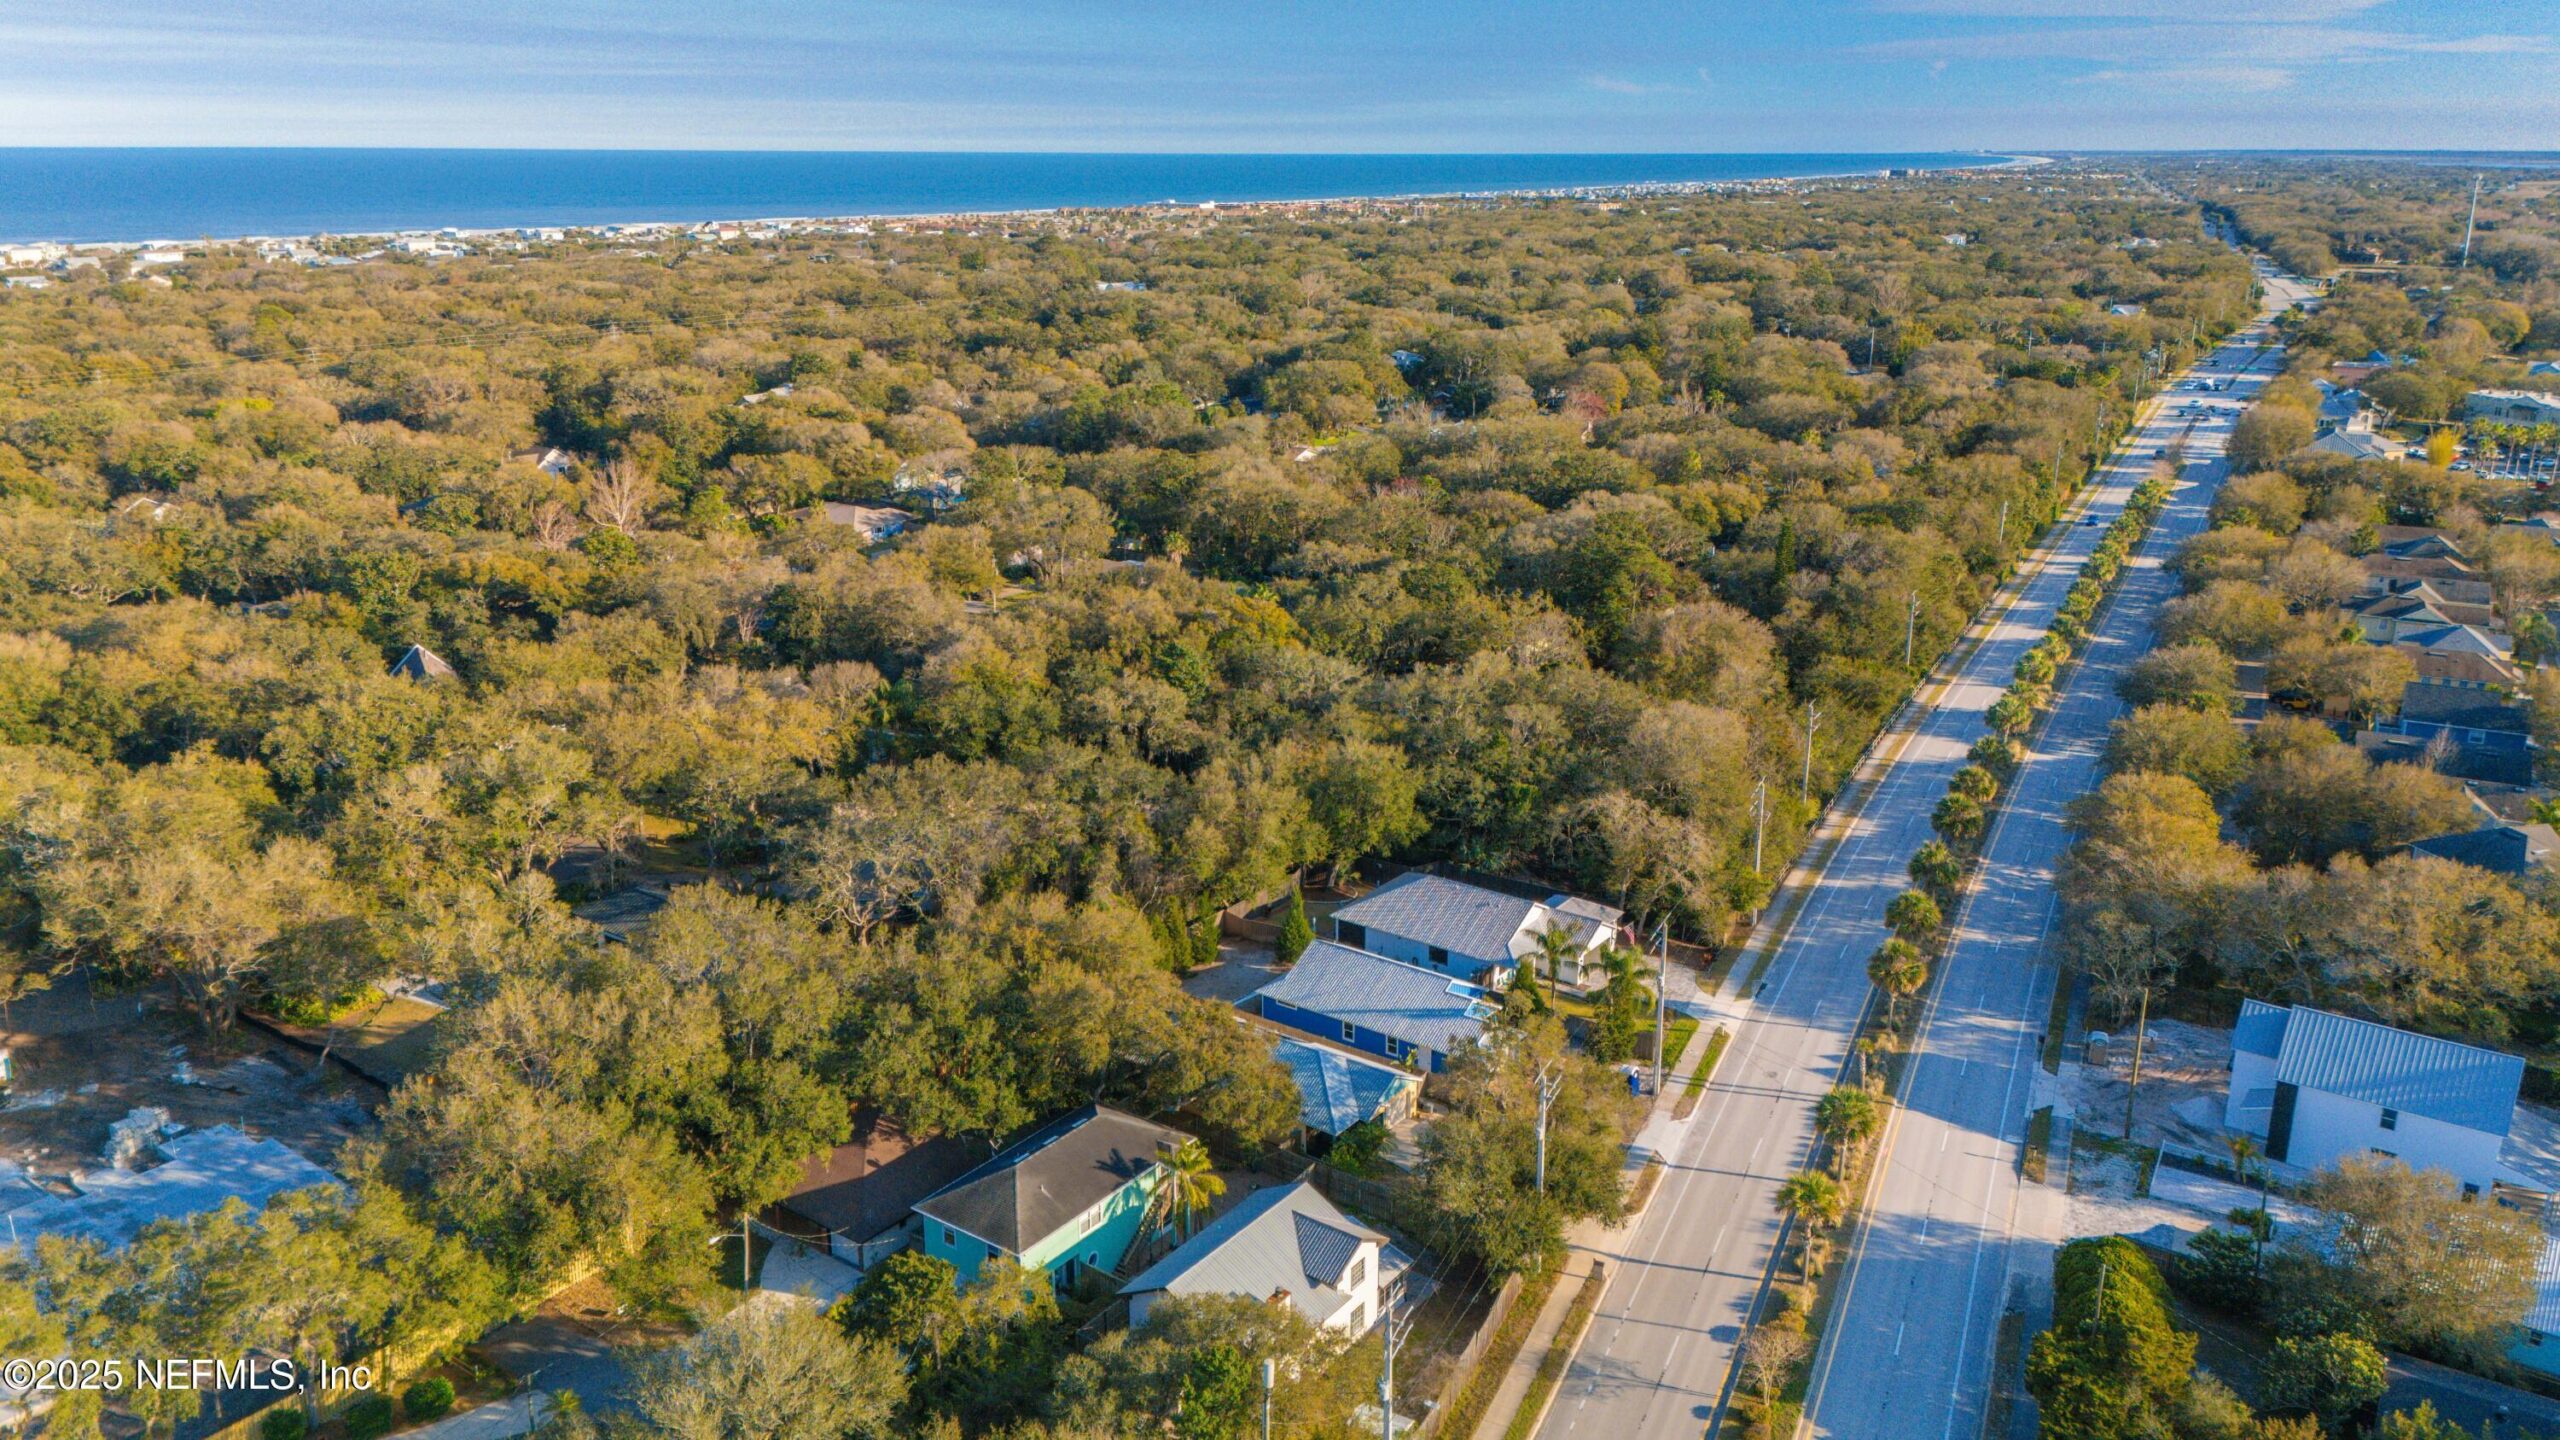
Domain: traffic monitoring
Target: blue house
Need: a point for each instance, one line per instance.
(1477, 934)
(1378, 1006)
(2464, 715)
(1068, 1198)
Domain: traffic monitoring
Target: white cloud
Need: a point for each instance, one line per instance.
(2253, 79)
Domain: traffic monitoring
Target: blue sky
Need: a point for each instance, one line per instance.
(1214, 75)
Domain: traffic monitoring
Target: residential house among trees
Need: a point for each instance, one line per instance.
(2504, 849)
(2463, 715)
(2318, 1088)
(1474, 932)
(1285, 1245)
(1337, 1089)
(1069, 1197)
(1371, 1003)
(858, 1200)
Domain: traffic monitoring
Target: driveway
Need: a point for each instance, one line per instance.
(551, 1352)
(1241, 970)
(498, 1420)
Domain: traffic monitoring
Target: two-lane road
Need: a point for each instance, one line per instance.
(1929, 1276)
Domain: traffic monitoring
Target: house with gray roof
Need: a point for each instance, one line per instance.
(1071, 1197)
(1337, 1089)
(2463, 715)
(1477, 932)
(1378, 1006)
(2316, 1088)
(1283, 1245)
(2502, 849)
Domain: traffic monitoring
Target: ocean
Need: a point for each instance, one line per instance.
(184, 194)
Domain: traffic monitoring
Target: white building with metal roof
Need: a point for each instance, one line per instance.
(1286, 1245)
(2317, 1087)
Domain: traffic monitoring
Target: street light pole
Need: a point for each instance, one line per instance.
(1911, 621)
(1270, 1374)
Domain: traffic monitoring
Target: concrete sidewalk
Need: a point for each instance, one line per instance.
(1590, 1242)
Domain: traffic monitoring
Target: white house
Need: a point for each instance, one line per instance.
(1284, 1245)
(2317, 1088)
(1471, 932)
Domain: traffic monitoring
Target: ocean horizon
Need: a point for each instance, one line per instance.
(86, 195)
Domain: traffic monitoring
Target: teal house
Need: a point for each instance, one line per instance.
(1068, 1198)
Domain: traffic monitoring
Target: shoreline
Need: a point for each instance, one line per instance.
(1989, 161)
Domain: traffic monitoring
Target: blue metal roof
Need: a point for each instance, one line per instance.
(1389, 997)
(1336, 1090)
(2441, 1079)
(2261, 1028)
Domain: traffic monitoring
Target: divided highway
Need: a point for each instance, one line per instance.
(1660, 1350)
(1928, 1278)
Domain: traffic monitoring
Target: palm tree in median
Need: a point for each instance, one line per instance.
(1191, 1183)
(1897, 970)
(1815, 1201)
(1846, 1118)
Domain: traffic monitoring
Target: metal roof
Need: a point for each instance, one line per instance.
(203, 1169)
(1421, 1007)
(1460, 918)
(2261, 1028)
(1050, 1176)
(1337, 1090)
(2400, 1070)
(2545, 1315)
(1287, 1239)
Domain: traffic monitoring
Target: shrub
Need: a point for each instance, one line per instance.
(429, 1399)
(285, 1422)
(1295, 933)
(370, 1418)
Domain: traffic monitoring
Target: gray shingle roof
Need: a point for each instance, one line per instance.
(1050, 1176)
(2462, 707)
(2504, 849)
(1434, 910)
(1390, 997)
(1335, 1090)
(2441, 1079)
(1286, 1238)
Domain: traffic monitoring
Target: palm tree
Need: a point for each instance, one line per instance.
(1845, 1118)
(1191, 1183)
(1815, 1201)
(1556, 945)
(1897, 970)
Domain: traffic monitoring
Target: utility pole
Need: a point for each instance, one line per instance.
(1812, 722)
(1270, 1375)
(1550, 1082)
(2141, 1031)
(1911, 621)
(1391, 1338)
(2004, 529)
(1759, 823)
(2468, 221)
(1661, 1000)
